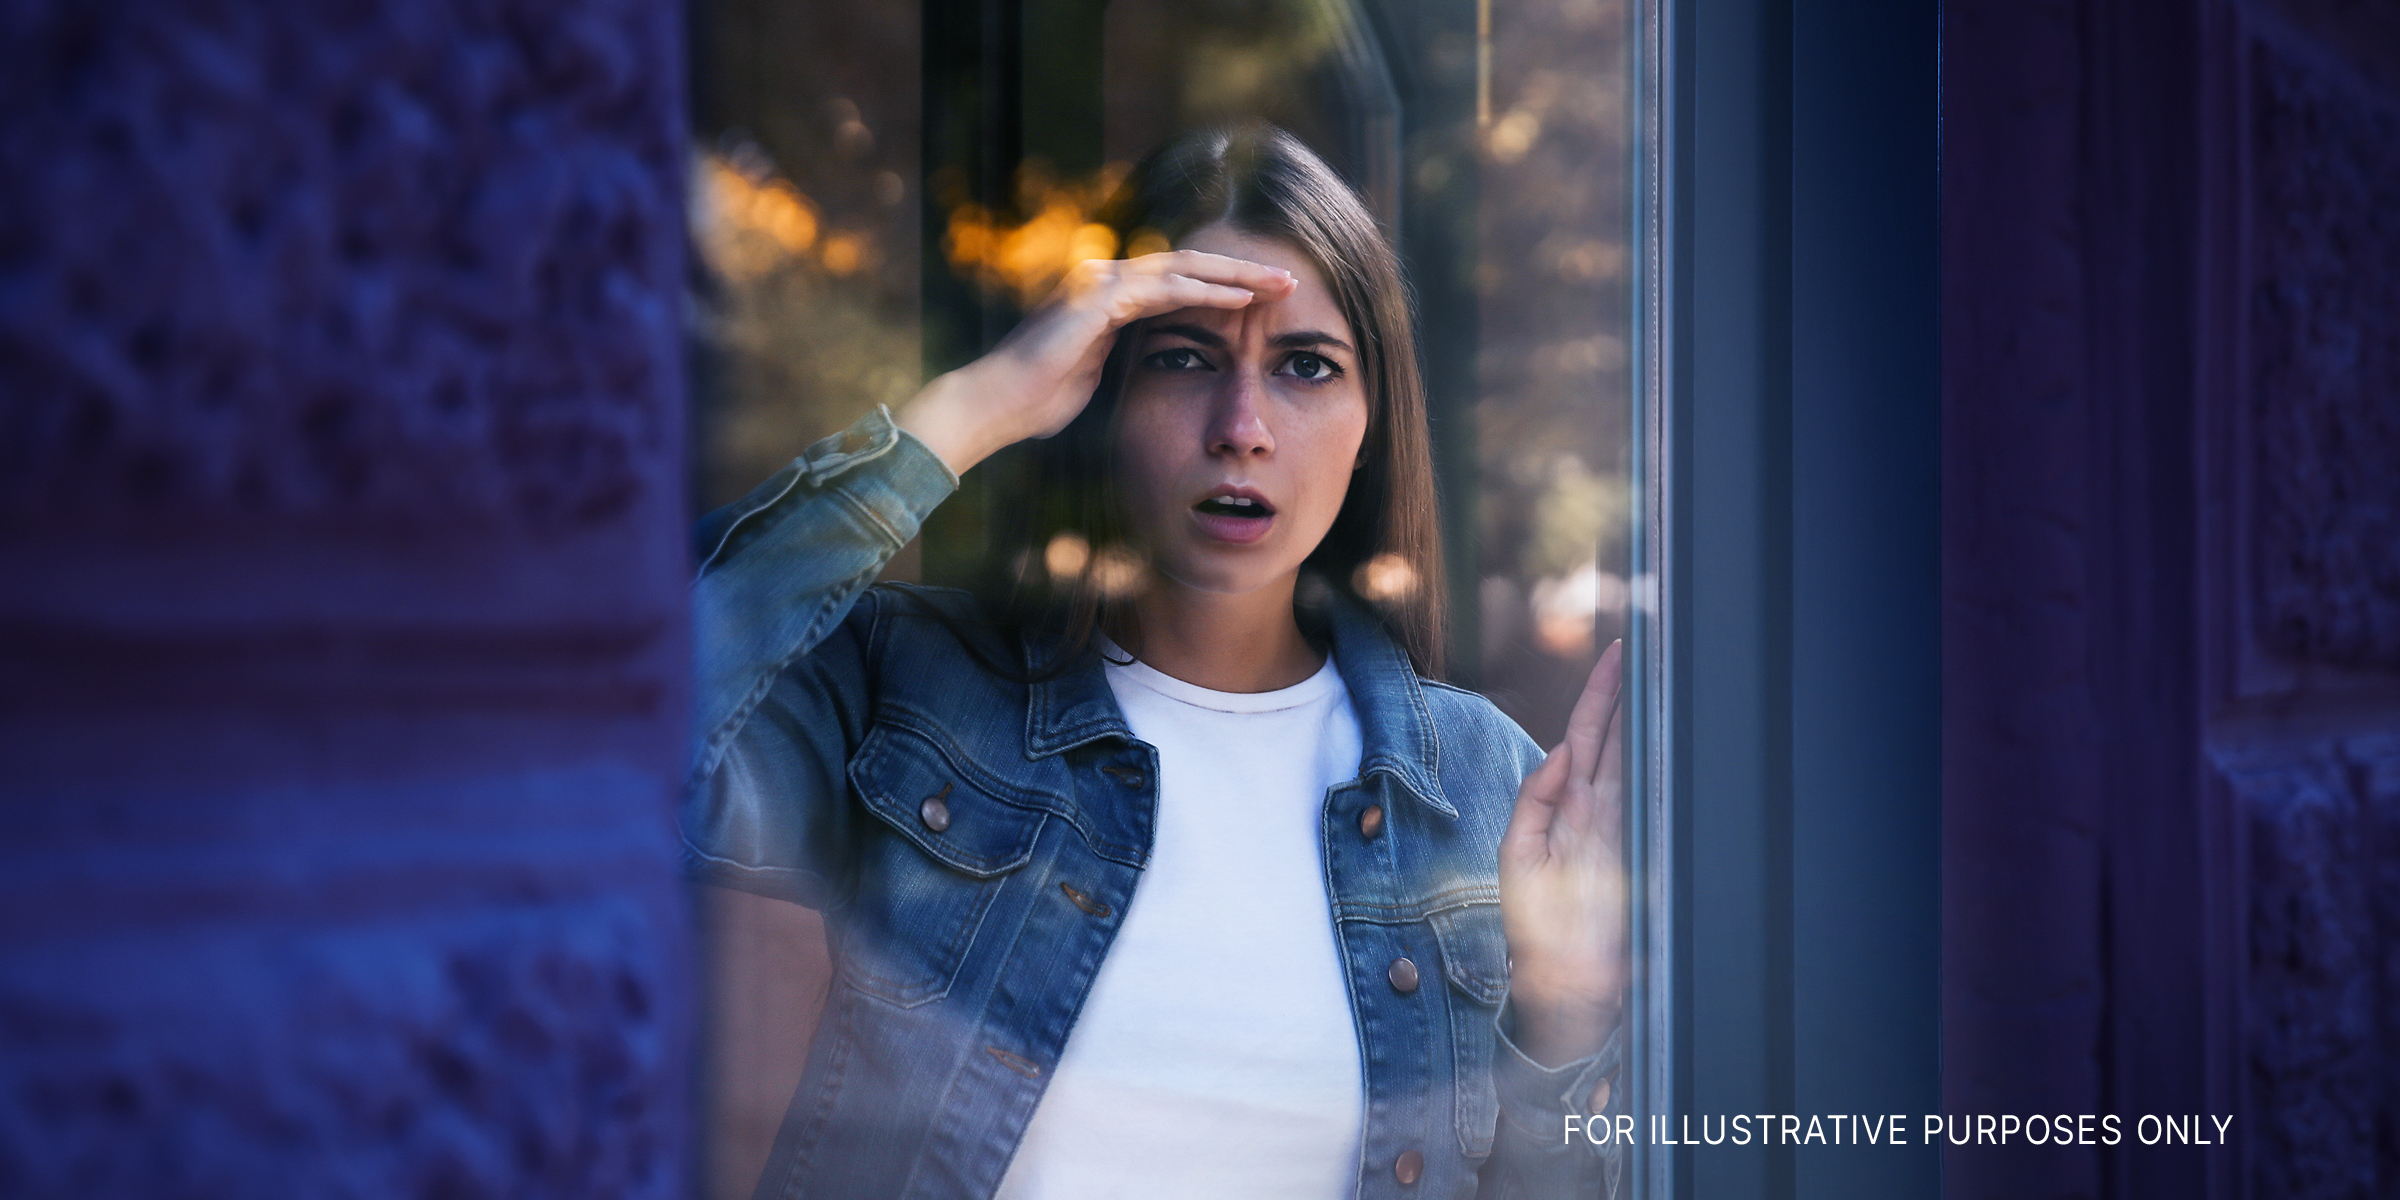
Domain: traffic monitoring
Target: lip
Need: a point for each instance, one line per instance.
(1236, 530)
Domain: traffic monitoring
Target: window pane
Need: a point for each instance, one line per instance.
(805, 197)
(1552, 422)
(881, 192)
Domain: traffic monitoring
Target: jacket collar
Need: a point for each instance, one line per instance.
(1396, 733)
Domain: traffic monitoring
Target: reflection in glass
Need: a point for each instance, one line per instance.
(803, 202)
(1552, 423)
(839, 243)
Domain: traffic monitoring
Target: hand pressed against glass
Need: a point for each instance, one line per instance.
(1562, 880)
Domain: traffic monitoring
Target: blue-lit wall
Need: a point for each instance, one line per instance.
(341, 600)
(2171, 591)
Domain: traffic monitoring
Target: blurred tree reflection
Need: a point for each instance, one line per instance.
(805, 233)
(1552, 364)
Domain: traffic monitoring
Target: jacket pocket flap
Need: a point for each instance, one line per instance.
(913, 784)
(1474, 950)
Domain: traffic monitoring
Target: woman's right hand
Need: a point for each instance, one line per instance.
(1039, 376)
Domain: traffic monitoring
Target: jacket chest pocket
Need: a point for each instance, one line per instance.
(940, 848)
(1475, 963)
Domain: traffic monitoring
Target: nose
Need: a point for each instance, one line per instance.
(1237, 424)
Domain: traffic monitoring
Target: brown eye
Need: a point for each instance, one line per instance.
(1180, 358)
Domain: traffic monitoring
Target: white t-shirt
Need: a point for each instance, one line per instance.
(1215, 1055)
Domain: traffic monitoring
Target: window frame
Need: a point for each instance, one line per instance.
(1796, 313)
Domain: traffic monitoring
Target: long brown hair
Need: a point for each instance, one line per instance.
(1066, 552)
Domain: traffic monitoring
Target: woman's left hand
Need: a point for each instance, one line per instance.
(1563, 885)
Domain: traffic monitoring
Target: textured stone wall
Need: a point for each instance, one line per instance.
(2309, 735)
(2324, 939)
(2326, 346)
(394, 261)
(341, 634)
(2172, 589)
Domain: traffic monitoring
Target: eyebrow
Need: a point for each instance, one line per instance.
(1285, 341)
(1309, 337)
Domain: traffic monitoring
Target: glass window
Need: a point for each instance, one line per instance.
(880, 191)
(805, 197)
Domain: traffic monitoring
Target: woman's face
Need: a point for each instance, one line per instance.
(1239, 429)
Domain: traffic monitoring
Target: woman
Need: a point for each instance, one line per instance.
(1163, 868)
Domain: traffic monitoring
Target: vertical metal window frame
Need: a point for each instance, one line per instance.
(1651, 1072)
(1791, 285)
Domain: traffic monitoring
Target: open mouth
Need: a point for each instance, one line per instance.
(1234, 516)
(1233, 506)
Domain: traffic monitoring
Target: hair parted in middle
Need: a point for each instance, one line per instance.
(1065, 557)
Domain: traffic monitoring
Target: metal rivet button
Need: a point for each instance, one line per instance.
(1370, 821)
(1404, 976)
(1410, 1166)
(933, 812)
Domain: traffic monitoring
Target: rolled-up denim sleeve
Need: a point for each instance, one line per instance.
(1535, 1153)
(780, 671)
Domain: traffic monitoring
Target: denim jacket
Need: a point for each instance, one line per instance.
(973, 841)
